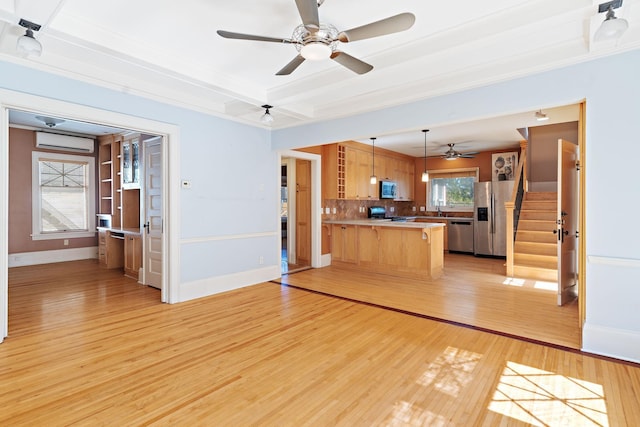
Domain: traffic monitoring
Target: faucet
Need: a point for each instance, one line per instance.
(439, 211)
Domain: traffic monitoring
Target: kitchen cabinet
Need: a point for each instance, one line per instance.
(344, 243)
(132, 255)
(403, 250)
(102, 246)
(131, 162)
(445, 232)
(347, 168)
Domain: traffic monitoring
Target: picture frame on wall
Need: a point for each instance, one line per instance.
(504, 166)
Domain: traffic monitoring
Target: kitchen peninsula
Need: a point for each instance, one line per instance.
(403, 249)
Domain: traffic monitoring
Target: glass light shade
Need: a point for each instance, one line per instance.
(373, 179)
(425, 176)
(28, 45)
(611, 28)
(266, 118)
(541, 117)
(315, 51)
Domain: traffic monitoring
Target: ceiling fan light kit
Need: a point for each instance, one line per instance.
(316, 41)
(27, 43)
(612, 27)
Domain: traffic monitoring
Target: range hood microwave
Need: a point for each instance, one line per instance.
(388, 189)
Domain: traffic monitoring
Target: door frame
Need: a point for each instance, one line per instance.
(316, 202)
(170, 168)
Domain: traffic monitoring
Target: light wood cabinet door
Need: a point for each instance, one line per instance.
(102, 247)
(368, 239)
(132, 255)
(344, 243)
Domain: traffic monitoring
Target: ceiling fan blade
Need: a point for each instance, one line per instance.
(354, 64)
(241, 36)
(466, 156)
(390, 25)
(291, 66)
(308, 10)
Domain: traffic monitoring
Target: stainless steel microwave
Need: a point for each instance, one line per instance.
(388, 189)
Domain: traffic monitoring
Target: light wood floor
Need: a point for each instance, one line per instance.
(473, 291)
(91, 347)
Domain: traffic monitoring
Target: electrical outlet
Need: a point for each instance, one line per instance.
(327, 210)
(334, 211)
(392, 209)
(413, 208)
(422, 209)
(65, 242)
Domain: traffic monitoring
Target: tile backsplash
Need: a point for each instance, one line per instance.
(357, 209)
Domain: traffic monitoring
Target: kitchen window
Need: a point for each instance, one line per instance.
(63, 196)
(451, 190)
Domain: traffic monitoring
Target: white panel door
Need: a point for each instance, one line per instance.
(153, 226)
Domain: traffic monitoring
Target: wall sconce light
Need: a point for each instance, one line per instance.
(612, 27)
(266, 117)
(27, 43)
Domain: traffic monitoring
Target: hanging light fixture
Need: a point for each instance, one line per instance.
(27, 44)
(374, 178)
(266, 117)
(612, 27)
(540, 116)
(425, 174)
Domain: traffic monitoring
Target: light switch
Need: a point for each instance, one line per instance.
(327, 210)
(334, 210)
(422, 209)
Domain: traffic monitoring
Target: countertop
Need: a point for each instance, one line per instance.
(121, 230)
(385, 223)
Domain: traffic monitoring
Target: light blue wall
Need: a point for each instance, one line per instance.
(611, 87)
(233, 171)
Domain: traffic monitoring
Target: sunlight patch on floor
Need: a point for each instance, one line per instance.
(543, 398)
(451, 371)
(406, 414)
(528, 283)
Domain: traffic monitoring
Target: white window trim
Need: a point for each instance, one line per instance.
(430, 207)
(36, 209)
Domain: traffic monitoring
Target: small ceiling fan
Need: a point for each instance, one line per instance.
(315, 40)
(452, 154)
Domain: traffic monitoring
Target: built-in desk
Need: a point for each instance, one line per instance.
(120, 248)
(405, 249)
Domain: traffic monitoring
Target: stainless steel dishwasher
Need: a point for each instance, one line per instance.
(460, 235)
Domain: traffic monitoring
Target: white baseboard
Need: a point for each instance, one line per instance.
(618, 343)
(216, 285)
(325, 260)
(48, 257)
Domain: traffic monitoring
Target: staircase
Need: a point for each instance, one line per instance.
(535, 248)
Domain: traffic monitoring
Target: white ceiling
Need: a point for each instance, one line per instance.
(169, 51)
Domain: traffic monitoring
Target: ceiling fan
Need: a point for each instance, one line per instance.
(452, 154)
(315, 40)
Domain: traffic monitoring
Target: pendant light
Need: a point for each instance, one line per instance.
(374, 178)
(425, 174)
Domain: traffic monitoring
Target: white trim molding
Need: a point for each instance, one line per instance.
(48, 257)
(613, 261)
(216, 285)
(620, 343)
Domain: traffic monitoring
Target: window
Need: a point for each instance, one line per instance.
(451, 189)
(63, 196)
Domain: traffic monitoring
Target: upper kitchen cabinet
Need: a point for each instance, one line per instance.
(131, 162)
(347, 169)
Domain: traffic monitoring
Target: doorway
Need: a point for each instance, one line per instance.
(295, 214)
(48, 107)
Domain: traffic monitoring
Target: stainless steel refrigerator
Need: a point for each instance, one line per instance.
(490, 217)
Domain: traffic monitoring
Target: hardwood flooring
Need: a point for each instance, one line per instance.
(473, 291)
(88, 346)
